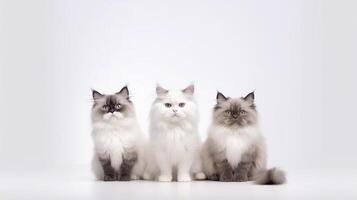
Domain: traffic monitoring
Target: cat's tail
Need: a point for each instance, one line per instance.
(273, 176)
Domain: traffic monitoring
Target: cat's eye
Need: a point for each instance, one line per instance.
(228, 111)
(117, 106)
(243, 112)
(182, 104)
(168, 105)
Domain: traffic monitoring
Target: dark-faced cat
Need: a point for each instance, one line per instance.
(117, 137)
(235, 148)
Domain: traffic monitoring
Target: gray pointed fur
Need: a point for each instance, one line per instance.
(232, 116)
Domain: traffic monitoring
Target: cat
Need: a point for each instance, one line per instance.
(117, 137)
(174, 139)
(235, 149)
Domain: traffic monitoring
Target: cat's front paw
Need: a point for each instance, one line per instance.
(125, 177)
(200, 176)
(164, 178)
(184, 178)
(110, 177)
(226, 177)
(241, 178)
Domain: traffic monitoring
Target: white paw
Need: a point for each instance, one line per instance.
(134, 177)
(165, 178)
(184, 178)
(200, 176)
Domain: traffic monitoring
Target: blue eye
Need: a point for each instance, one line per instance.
(168, 105)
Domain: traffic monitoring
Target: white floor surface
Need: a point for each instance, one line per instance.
(79, 184)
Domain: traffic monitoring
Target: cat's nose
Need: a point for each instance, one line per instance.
(235, 116)
(112, 110)
(175, 110)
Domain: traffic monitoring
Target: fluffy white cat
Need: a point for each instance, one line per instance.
(118, 140)
(174, 140)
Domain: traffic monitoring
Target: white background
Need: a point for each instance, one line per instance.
(298, 56)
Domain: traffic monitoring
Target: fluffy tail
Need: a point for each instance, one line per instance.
(272, 176)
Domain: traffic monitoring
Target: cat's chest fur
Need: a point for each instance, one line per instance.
(236, 142)
(174, 139)
(235, 147)
(175, 143)
(111, 141)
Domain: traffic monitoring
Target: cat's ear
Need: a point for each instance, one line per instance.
(96, 95)
(220, 97)
(189, 89)
(249, 98)
(124, 92)
(160, 90)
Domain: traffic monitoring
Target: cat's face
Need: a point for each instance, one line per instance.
(235, 111)
(174, 105)
(112, 107)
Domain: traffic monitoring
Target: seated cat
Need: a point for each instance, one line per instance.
(174, 139)
(117, 137)
(235, 148)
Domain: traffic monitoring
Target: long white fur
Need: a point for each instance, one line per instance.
(174, 140)
(113, 134)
